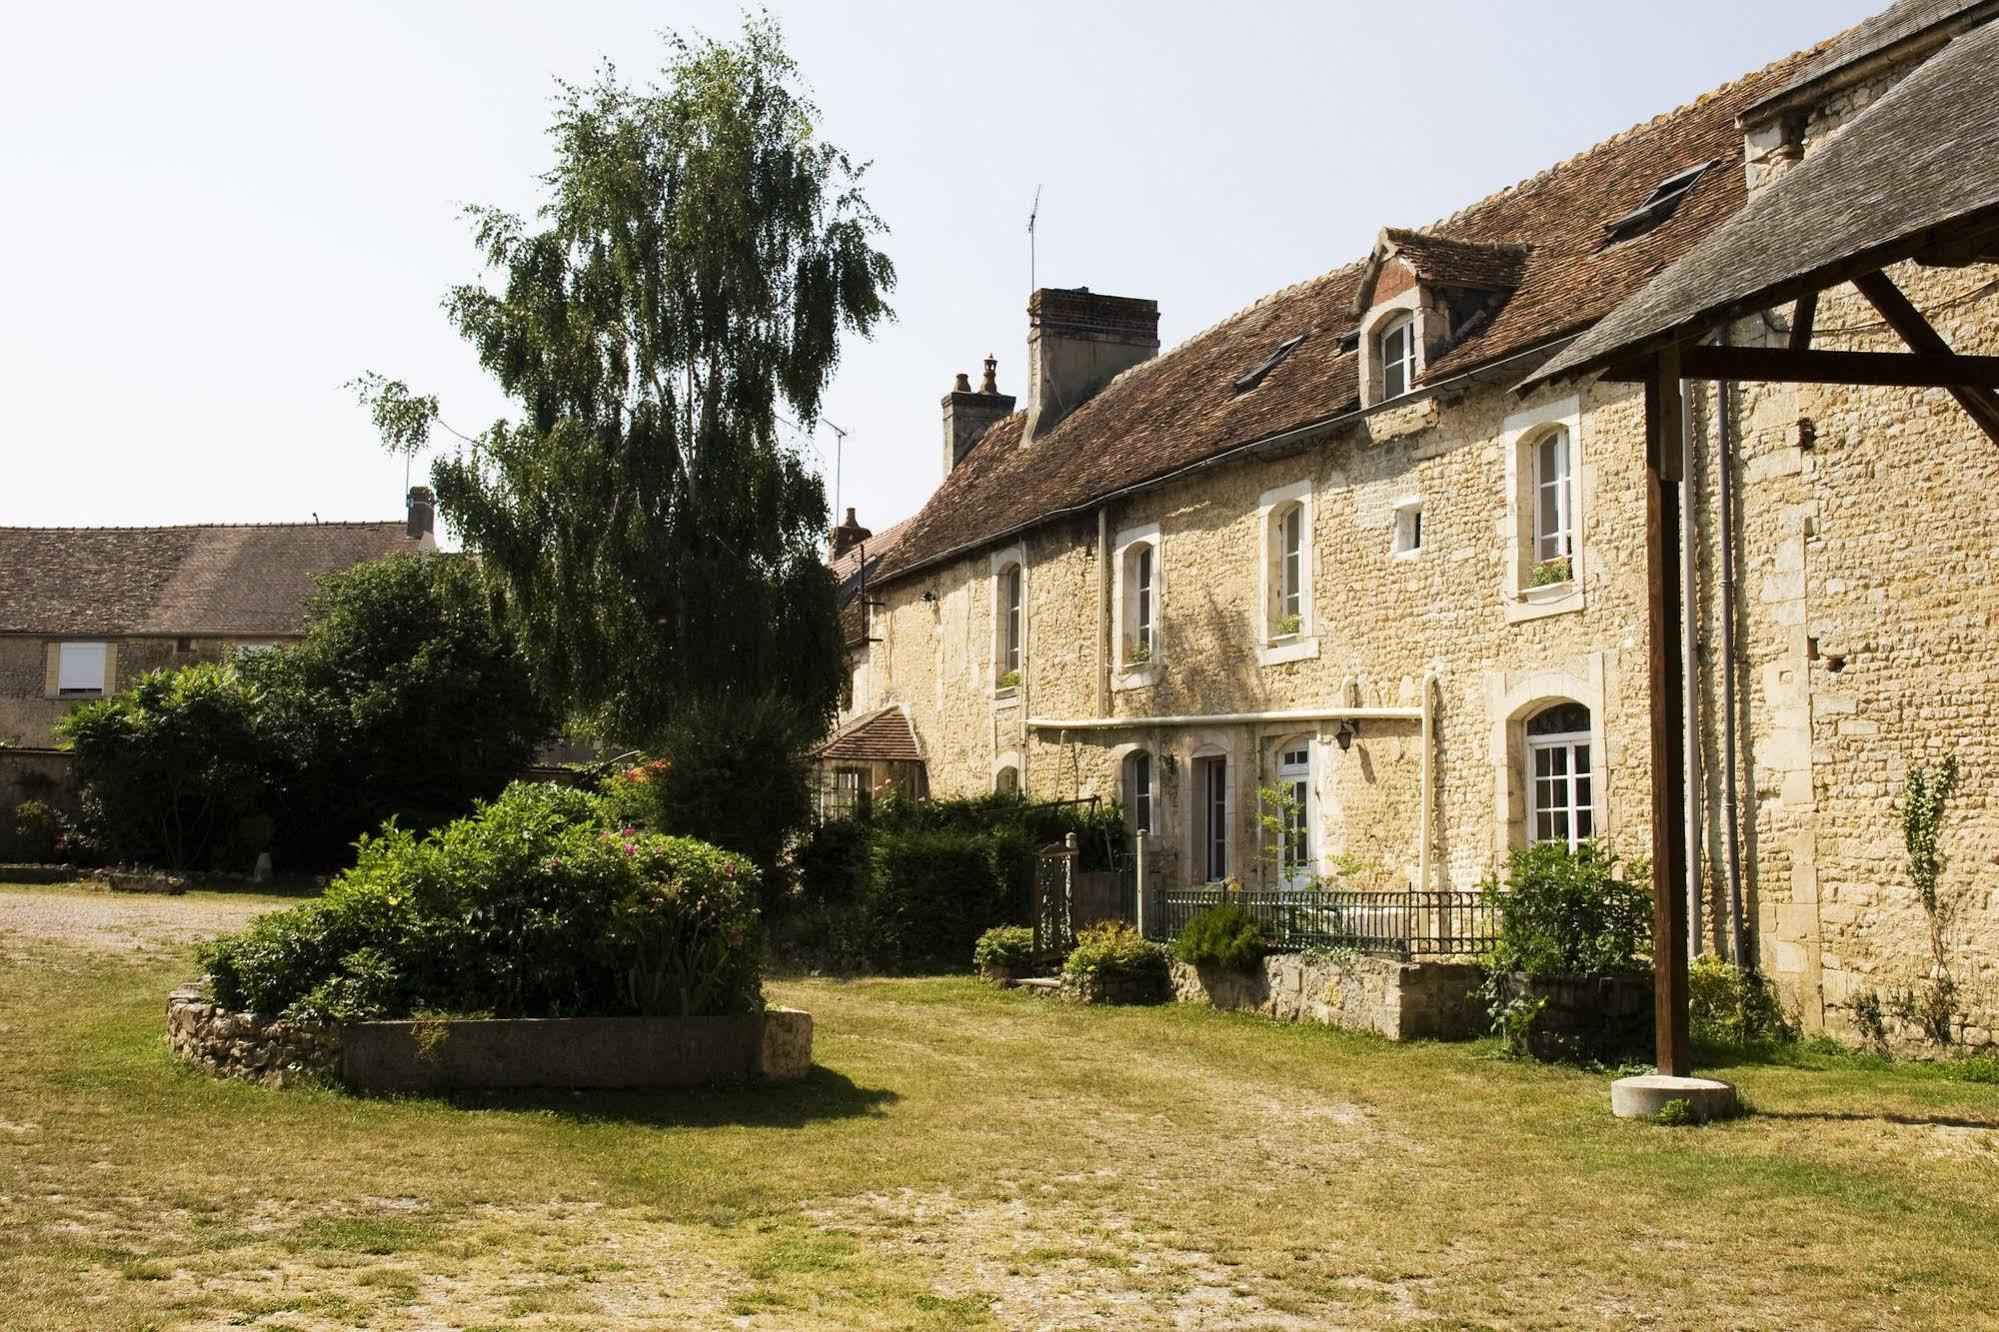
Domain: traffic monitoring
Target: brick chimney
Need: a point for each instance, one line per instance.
(967, 415)
(1077, 342)
(422, 515)
(848, 535)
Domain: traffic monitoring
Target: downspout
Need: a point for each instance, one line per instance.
(1731, 830)
(1690, 669)
(1104, 628)
(1424, 826)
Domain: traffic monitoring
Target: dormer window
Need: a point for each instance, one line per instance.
(1395, 353)
(1665, 201)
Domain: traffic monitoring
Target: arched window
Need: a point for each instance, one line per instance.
(1137, 597)
(1288, 590)
(1138, 791)
(1007, 781)
(1554, 507)
(1211, 816)
(1561, 780)
(1010, 626)
(1294, 788)
(1395, 352)
(1141, 613)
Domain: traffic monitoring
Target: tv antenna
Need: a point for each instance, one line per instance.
(1033, 213)
(839, 448)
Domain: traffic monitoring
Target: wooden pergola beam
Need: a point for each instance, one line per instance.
(1803, 317)
(1976, 375)
(1901, 314)
(1664, 466)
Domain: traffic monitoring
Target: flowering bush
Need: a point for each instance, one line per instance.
(1114, 951)
(1004, 948)
(537, 905)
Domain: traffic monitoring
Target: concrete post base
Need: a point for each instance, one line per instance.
(1644, 1097)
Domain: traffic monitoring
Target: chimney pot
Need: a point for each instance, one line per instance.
(848, 535)
(964, 384)
(968, 415)
(990, 384)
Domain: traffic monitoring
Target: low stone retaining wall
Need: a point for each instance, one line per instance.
(449, 1055)
(257, 1047)
(1603, 1017)
(1400, 1000)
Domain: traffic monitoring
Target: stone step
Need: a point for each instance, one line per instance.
(1039, 985)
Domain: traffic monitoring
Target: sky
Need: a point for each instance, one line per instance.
(216, 215)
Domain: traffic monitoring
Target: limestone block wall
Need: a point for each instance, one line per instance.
(1403, 1001)
(1381, 623)
(257, 1047)
(27, 711)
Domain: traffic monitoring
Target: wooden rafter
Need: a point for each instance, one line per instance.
(1803, 317)
(1779, 365)
(1975, 396)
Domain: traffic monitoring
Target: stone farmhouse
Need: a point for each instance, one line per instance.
(85, 610)
(1331, 548)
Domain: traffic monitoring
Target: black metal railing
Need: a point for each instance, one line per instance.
(1402, 924)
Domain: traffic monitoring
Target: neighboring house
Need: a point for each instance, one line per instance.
(1327, 548)
(85, 610)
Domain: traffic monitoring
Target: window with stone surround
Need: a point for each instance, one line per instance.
(1561, 777)
(1408, 527)
(1007, 781)
(1009, 623)
(82, 669)
(1295, 813)
(1211, 816)
(1554, 508)
(1138, 792)
(1288, 630)
(1545, 516)
(1138, 589)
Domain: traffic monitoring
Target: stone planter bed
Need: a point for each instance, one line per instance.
(1400, 1000)
(492, 1054)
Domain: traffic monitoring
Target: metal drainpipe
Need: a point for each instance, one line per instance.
(1690, 669)
(1731, 802)
(1104, 628)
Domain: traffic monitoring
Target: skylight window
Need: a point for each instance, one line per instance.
(1665, 199)
(1255, 377)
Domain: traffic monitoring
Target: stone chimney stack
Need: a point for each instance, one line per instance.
(1077, 342)
(422, 515)
(848, 535)
(967, 415)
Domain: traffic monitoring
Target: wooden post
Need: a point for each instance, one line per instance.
(1663, 473)
(1139, 867)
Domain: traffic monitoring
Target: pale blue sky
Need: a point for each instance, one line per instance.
(216, 214)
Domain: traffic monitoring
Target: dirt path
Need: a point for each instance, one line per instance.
(121, 922)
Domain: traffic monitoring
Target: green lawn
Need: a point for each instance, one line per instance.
(960, 1158)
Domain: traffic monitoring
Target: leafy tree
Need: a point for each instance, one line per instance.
(405, 699)
(699, 256)
(171, 766)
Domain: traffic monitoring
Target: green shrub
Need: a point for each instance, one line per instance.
(1004, 948)
(170, 766)
(1735, 1005)
(534, 906)
(910, 883)
(1570, 913)
(38, 830)
(1224, 935)
(1114, 951)
(925, 897)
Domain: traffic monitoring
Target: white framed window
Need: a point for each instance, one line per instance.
(1137, 594)
(1395, 353)
(1294, 783)
(1009, 622)
(1138, 801)
(1554, 505)
(1408, 527)
(1561, 778)
(82, 669)
(1286, 597)
(1211, 789)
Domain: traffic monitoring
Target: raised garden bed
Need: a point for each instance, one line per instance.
(435, 1055)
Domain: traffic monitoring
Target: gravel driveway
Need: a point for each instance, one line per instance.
(90, 916)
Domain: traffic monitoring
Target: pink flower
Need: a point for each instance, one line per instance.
(631, 850)
(628, 832)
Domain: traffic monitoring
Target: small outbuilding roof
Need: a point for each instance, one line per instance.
(1914, 175)
(236, 581)
(879, 737)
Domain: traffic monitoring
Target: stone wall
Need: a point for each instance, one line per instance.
(32, 774)
(257, 1047)
(1400, 1000)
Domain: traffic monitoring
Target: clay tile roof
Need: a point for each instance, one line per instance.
(880, 737)
(1182, 408)
(1444, 261)
(171, 581)
(1920, 162)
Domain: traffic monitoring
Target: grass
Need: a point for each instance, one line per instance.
(964, 1157)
